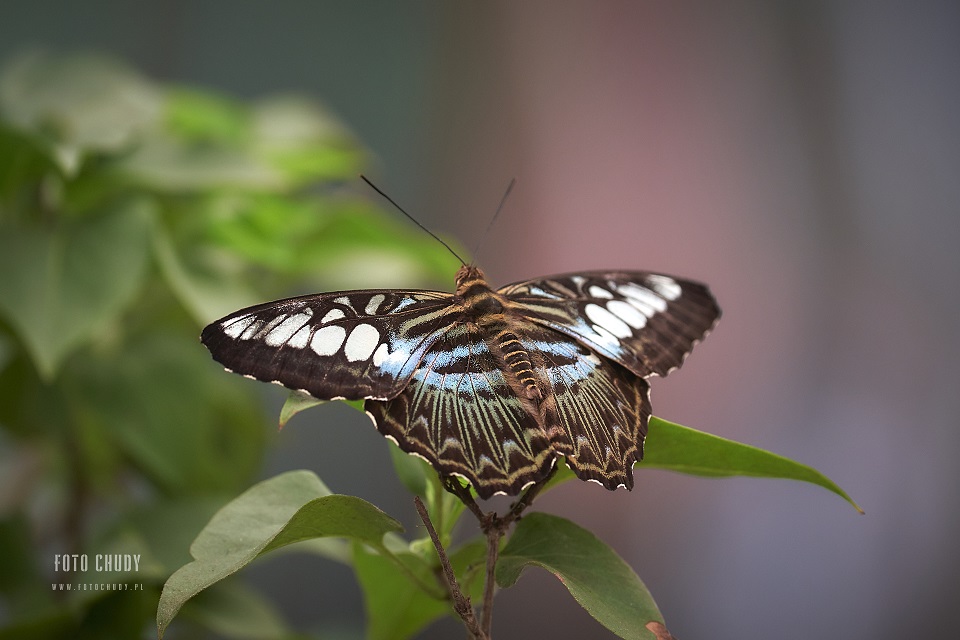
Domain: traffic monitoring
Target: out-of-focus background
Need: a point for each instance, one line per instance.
(801, 158)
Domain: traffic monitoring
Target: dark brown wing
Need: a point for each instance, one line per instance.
(350, 344)
(647, 322)
(460, 413)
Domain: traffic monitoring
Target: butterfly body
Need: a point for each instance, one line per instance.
(492, 385)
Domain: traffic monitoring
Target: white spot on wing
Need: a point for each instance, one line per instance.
(252, 330)
(608, 321)
(646, 301)
(665, 286)
(361, 343)
(235, 327)
(627, 313)
(381, 354)
(599, 292)
(333, 314)
(328, 340)
(301, 338)
(374, 304)
(284, 331)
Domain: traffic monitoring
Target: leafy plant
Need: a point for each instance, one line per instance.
(131, 214)
(405, 583)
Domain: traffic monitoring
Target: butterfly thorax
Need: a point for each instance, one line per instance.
(489, 311)
(481, 304)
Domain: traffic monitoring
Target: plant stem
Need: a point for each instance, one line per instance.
(461, 603)
(494, 527)
(493, 551)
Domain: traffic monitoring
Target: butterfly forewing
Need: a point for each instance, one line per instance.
(646, 322)
(352, 344)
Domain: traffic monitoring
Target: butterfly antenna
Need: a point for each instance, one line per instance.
(415, 221)
(503, 201)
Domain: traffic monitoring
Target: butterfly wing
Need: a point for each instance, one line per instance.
(435, 385)
(460, 414)
(645, 321)
(595, 412)
(351, 344)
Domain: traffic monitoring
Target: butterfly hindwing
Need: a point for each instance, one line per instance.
(352, 344)
(459, 412)
(647, 322)
(596, 412)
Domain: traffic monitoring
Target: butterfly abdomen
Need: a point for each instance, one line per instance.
(517, 361)
(486, 308)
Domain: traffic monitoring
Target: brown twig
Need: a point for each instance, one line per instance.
(453, 485)
(494, 534)
(461, 603)
(494, 528)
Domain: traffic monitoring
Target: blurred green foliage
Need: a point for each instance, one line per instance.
(131, 214)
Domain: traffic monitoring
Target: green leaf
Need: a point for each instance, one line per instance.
(203, 291)
(420, 478)
(296, 402)
(185, 425)
(170, 165)
(232, 610)
(77, 104)
(60, 287)
(203, 116)
(361, 247)
(169, 545)
(412, 471)
(677, 448)
(397, 606)
(594, 574)
(269, 230)
(288, 508)
(304, 142)
(50, 623)
(23, 165)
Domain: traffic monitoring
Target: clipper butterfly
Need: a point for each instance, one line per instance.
(490, 385)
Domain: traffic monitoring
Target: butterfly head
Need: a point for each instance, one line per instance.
(468, 276)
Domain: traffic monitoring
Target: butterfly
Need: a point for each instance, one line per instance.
(488, 385)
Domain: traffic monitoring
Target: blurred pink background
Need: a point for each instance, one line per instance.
(801, 158)
(804, 161)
